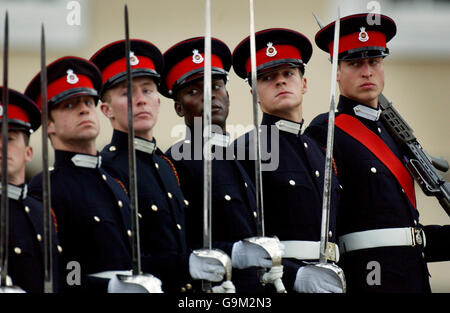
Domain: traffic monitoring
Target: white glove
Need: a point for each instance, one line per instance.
(245, 254)
(115, 285)
(9, 288)
(226, 287)
(314, 279)
(206, 268)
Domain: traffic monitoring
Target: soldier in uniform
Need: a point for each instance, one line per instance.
(26, 250)
(233, 193)
(378, 222)
(160, 200)
(91, 207)
(293, 173)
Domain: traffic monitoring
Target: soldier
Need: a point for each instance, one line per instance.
(233, 193)
(91, 208)
(160, 200)
(378, 222)
(293, 183)
(26, 250)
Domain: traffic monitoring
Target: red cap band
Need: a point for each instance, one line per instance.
(186, 65)
(120, 66)
(17, 113)
(283, 52)
(61, 84)
(349, 42)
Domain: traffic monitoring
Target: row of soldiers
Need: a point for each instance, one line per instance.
(373, 214)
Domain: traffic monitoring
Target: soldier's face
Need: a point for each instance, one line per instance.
(19, 153)
(362, 80)
(146, 105)
(189, 103)
(281, 92)
(74, 120)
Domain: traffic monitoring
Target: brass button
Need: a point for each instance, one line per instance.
(154, 208)
(227, 197)
(59, 248)
(169, 195)
(104, 177)
(255, 214)
(379, 130)
(39, 237)
(373, 170)
(183, 289)
(340, 186)
(357, 109)
(156, 165)
(179, 226)
(96, 218)
(188, 286)
(139, 215)
(246, 185)
(112, 148)
(17, 250)
(415, 222)
(306, 145)
(129, 233)
(27, 209)
(317, 174)
(330, 234)
(120, 203)
(186, 202)
(292, 182)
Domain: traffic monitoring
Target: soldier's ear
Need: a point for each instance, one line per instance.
(28, 154)
(106, 110)
(51, 127)
(178, 108)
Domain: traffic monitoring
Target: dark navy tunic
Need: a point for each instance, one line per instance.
(292, 186)
(233, 202)
(93, 216)
(161, 207)
(373, 199)
(26, 242)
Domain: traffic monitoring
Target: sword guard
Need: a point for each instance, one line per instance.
(148, 282)
(336, 270)
(218, 255)
(271, 245)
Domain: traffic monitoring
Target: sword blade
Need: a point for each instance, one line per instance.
(135, 236)
(207, 164)
(319, 22)
(257, 142)
(326, 202)
(46, 196)
(4, 204)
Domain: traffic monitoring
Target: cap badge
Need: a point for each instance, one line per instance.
(72, 78)
(133, 59)
(363, 36)
(197, 57)
(271, 51)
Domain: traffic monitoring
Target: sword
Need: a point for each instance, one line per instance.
(5, 282)
(46, 196)
(325, 248)
(260, 240)
(149, 282)
(207, 251)
(4, 248)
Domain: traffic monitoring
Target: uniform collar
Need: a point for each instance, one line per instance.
(67, 158)
(282, 124)
(120, 140)
(16, 192)
(352, 107)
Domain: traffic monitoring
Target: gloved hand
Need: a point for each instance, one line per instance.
(226, 287)
(9, 288)
(314, 279)
(245, 254)
(115, 285)
(206, 268)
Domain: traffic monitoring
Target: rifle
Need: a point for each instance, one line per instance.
(422, 166)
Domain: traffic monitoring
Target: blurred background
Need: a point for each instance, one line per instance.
(417, 72)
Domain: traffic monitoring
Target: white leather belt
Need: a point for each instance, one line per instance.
(109, 274)
(308, 250)
(386, 237)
